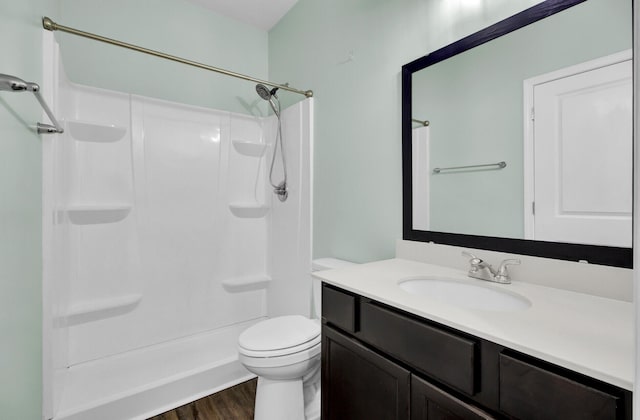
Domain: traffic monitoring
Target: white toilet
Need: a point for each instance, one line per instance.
(285, 354)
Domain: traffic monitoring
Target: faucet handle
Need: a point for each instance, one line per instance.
(503, 265)
(473, 260)
(502, 276)
(476, 263)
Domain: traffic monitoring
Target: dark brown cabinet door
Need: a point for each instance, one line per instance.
(357, 383)
(530, 392)
(428, 402)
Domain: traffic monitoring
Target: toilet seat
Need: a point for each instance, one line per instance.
(259, 360)
(280, 336)
(280, 352)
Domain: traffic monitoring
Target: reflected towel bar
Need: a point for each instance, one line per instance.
(50, 25)
(421, 122)
(499, 165)
(15, 84)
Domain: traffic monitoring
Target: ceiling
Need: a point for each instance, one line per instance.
(262, 14)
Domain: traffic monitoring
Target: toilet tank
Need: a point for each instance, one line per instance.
(319, 265)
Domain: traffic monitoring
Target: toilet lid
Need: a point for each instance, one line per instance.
(279, 333)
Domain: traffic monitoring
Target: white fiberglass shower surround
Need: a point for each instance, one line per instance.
(162, 243)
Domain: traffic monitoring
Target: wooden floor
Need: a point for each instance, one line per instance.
(235, 403)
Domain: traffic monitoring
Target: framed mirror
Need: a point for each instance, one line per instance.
(519, 137)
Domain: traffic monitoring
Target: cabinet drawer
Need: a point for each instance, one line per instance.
(438, 353)
(531, 392)
(339, 308)
(429, 402)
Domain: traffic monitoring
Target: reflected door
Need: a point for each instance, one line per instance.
(582, 139)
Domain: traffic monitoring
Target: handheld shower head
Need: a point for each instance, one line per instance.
(268, 95)
(263, 92)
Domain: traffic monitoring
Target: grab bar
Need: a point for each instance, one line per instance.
(499, 165)
(15, 84)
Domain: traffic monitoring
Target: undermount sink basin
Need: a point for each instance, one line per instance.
(465, 294)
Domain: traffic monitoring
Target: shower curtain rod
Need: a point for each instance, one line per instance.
(50, 25)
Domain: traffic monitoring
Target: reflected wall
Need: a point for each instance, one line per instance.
(474, 102)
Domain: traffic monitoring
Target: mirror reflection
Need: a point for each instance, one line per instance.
(530, 134)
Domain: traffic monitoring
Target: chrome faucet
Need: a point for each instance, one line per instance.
(481, 270)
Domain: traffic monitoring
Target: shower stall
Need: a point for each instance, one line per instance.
(163, 241)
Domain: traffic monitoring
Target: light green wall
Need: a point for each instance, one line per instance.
(357, 186)
(475, 105)
(20, 229)
(357, 211)
(177, 27)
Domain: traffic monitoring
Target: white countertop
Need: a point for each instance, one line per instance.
(584, 333)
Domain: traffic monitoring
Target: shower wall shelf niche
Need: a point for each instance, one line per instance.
(95, 132)
(92, 310)
(89, 214)
(246, 284)
(249, 148)
(248, 210)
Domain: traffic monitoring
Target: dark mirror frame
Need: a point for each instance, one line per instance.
(594, 254)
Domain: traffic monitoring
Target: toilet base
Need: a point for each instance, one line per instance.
(279, 400)
(312, 408)
(311, 391)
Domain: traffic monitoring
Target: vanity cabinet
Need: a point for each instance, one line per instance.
(379, 362)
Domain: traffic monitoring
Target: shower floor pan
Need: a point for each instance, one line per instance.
(149, 381)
